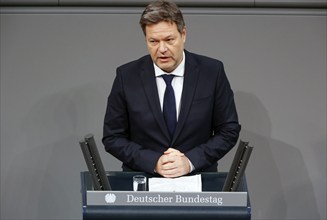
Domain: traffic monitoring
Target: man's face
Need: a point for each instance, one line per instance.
(165, 44)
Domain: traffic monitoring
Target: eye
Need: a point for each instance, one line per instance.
(170, 40)
(153, 42)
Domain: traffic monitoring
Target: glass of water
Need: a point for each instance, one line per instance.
(139, 183)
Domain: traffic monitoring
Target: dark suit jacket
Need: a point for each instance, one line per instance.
(134, 127)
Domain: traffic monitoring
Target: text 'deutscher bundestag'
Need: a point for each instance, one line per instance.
(130, 198)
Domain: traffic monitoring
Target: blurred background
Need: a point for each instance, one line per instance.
(58, 62)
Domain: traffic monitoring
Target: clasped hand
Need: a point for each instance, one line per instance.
(172, 163)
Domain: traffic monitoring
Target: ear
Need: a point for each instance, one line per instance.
(184, 34)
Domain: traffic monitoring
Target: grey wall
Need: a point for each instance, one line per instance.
(57, 68)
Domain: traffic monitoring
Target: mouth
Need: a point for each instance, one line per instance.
(164, 59)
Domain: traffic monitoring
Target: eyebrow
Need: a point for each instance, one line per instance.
(166, 37)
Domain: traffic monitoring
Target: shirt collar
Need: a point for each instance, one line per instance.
(179, 71)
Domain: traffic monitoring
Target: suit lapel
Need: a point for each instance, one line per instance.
(151, 91)
(191, 76)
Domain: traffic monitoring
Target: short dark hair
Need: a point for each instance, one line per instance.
(162, 10)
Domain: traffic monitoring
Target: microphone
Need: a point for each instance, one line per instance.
(94, 163)
(238, 166)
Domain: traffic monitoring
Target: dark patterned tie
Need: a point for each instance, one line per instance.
(169, 105)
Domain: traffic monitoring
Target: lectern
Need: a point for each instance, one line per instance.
(122, 203)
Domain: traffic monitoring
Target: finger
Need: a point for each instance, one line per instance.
(163, 160)
(169, 166)
(173, 151)
(167, 159)
(170, 172)
(178, 168)
(170, 150)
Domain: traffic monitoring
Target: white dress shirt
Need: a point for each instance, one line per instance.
(177, 84)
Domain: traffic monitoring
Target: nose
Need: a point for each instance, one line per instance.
(162, 47)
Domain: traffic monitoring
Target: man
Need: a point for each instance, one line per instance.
(202, 124)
